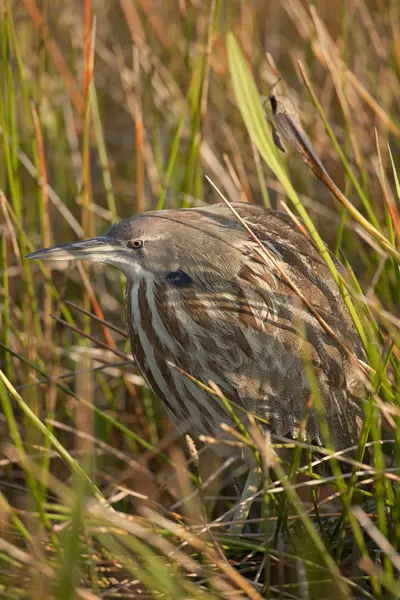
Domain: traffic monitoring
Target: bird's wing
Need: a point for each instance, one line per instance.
(294, 259)
(273, 383)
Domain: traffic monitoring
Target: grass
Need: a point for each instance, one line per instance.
(107, 109)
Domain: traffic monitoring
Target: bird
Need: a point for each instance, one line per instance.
(205, 303)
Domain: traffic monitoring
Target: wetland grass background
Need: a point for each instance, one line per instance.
(109, 108)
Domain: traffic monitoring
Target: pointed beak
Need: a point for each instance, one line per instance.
(100, 249)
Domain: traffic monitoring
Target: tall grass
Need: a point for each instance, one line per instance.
(112, 108)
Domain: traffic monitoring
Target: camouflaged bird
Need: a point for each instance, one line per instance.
(201, 297)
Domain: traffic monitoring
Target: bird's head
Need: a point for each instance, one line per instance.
(159, 243)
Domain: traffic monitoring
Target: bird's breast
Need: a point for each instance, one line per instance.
(179, 331)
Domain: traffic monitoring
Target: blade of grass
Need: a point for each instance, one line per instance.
(37, 423)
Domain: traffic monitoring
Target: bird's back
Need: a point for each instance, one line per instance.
(243, 326)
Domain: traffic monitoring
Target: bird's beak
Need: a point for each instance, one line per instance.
(98, 249)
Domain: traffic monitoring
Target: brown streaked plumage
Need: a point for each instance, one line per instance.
(200, 296)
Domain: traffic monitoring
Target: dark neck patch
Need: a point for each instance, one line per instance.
(179, 278)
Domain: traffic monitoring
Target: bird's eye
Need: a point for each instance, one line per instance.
(135, 244)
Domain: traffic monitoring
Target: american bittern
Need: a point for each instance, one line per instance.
(200, 296)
